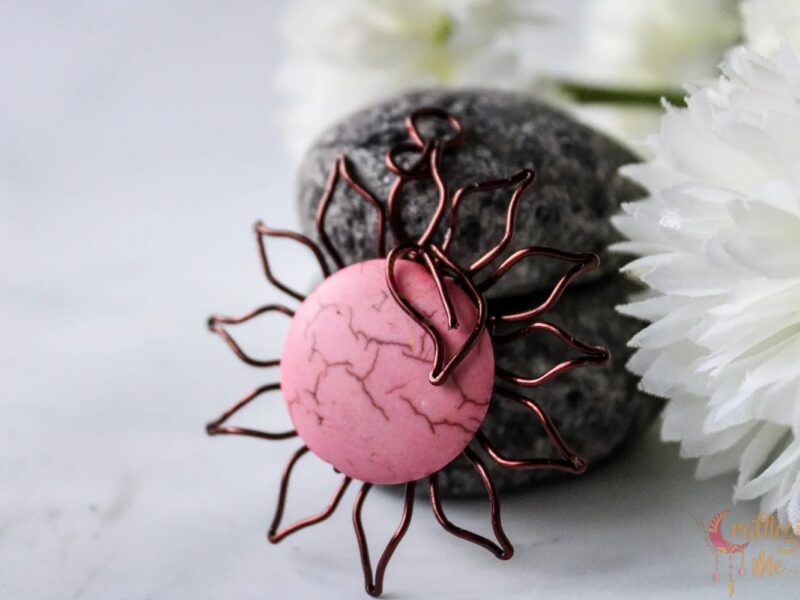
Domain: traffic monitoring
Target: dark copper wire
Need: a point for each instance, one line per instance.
(417, 169)
(593, 355)
(322, 210)
(427, 165)
(504, 550)
(216, 427)
(570, 462)
(440, 370)
(347, 175)
(274, 535)
(263, 231)
(374, 586)
(342, 170)
(438, 279)
(441, 189)
(584, 262)
(436, 260)
(521, 182)
(412, 126)
(215, 323)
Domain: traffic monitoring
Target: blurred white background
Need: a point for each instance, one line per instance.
(137, 145)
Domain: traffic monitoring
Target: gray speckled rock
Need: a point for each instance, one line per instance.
(576, 191)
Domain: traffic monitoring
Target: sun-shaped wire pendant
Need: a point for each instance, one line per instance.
(388, 365)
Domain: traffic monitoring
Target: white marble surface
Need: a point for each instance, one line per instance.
(137, 145)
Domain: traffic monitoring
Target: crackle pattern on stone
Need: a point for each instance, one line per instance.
(355, 375)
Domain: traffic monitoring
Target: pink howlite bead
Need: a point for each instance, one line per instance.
(354, 375)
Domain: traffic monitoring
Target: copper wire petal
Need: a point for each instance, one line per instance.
(440, 369)
(374, 585)
(592, 355)
(519, 182)
(216, 322)
(275, 534)
(263, 231)
(581, 262)
(428, 165)
(504, 550)
(218, 427)
(570, 462)
(343, 171)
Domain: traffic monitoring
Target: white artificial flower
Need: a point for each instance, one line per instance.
(718, 238)
(344, 54)
(769, 22)
(655, 45)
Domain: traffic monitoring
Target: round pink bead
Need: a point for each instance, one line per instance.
(354, 375)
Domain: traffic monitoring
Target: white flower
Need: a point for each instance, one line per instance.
(769, 22)
(344, 54)
(656, 45)
(719, 243)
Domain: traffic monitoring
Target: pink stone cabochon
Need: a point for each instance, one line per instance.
(354, 375)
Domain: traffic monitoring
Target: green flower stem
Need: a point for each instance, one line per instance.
(583, 93)
(443, 28)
